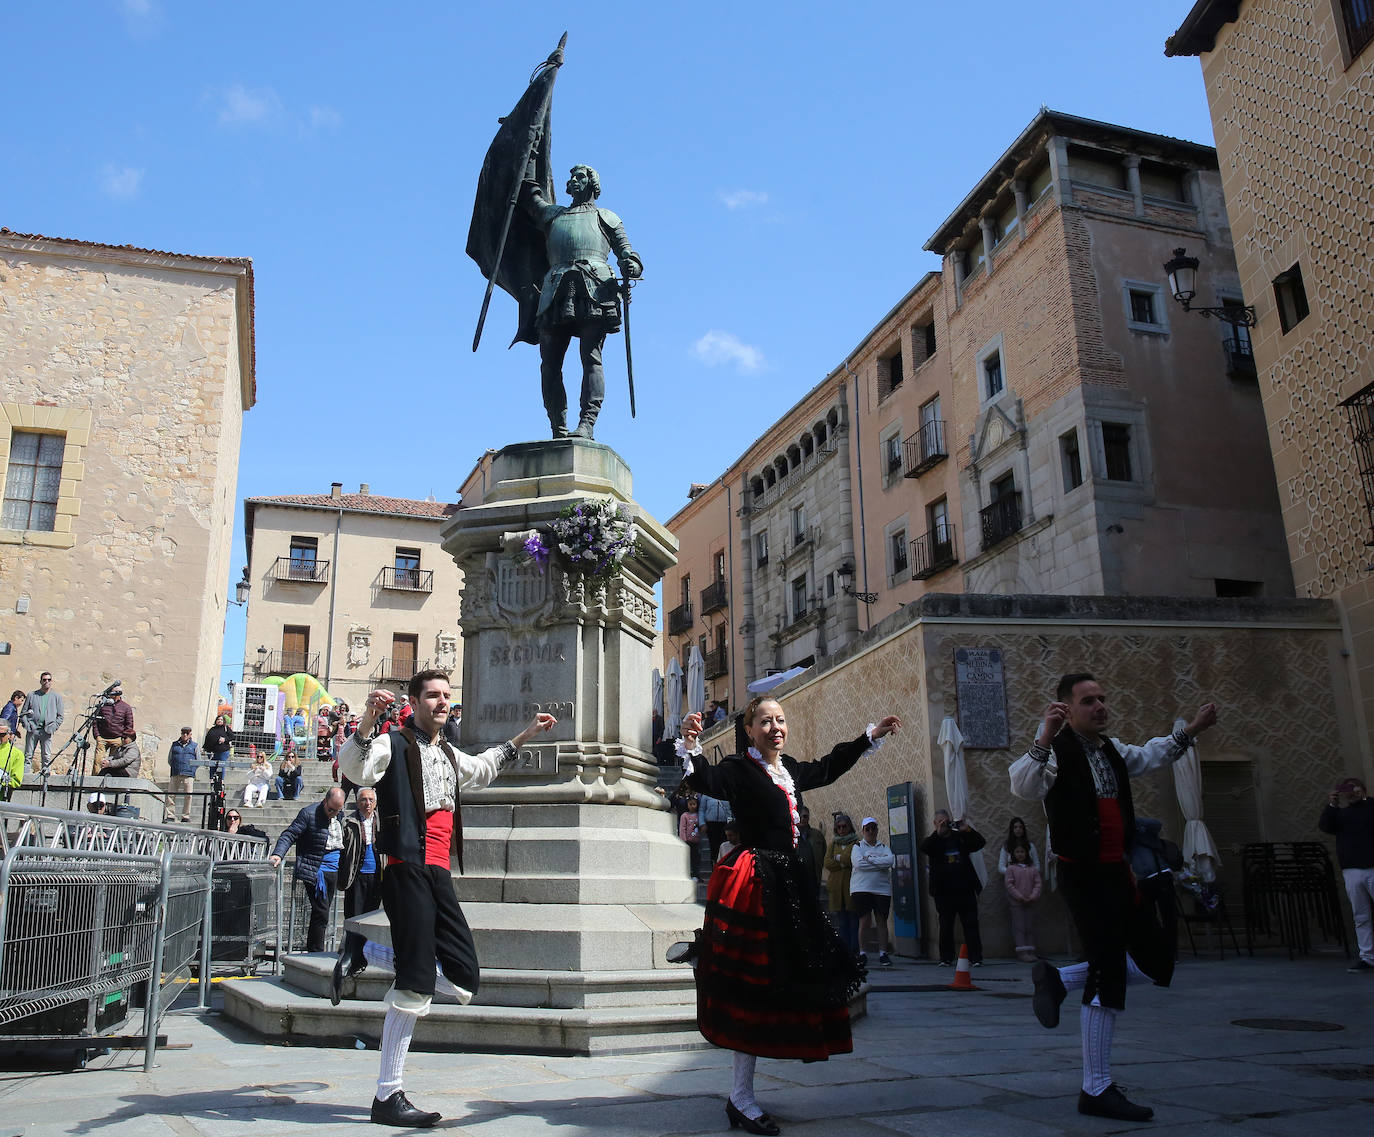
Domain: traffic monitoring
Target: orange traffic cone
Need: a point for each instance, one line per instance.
(963, 980)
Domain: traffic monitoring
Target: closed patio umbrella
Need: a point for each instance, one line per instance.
(956, 783)
(1198, 845)
(672, 697)
(656, 696)
(696, 681)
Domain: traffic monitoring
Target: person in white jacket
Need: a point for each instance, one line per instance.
(870, 887)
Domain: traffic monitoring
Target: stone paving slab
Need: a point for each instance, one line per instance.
(933, 1062)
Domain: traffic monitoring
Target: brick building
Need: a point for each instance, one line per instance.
(353, 589)
(1031, 419)
(124, 377)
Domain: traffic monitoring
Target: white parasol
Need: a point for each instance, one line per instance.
(672, 696)
(1198, 845)
(956, 783)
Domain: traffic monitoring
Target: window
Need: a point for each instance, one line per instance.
(761, 548)
(1360, 409)
(304, 551)
(1096, 168)
(687, 591)
(295, 649)
(1116, 451)
(798, 598)
(1144, 304)
(405, 650)
(1359, 24)
(890, 373)
(33, 480)
(972, 257)
(1291, 298)
(798, 524)
(897, 552)
(720, 564)
(1039, 184)
(1005, 224)
(1005, 486)
(923, 340)
(829, 585)
(932, 440)
(892, 456)
(407, 568)
(1071, 459)
(937, 520)
(992, 375)
(1239, 587)
(1162, 181)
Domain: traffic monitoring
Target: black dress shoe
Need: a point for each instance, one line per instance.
(738, 1120)
(1049, 993)
(1112, 1103)
(397, 1110)
(336, 983)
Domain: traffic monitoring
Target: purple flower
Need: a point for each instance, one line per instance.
(537, 551)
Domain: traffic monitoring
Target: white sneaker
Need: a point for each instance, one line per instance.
(883, 960)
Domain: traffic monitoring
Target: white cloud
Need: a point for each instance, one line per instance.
(240, 105)
(324, 118)
(121, 182)
(742, 198)
(724, 349)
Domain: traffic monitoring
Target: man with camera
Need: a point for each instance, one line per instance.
(1353, 827)
(114, 718)
(954, 883)
(1084, 778)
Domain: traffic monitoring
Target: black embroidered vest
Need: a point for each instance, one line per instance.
(1071, 803)
(401, 802)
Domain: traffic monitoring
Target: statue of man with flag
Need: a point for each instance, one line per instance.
(553, 259)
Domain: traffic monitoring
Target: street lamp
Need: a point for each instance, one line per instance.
(1182, 270)
(846, 574)
(242, 589)
(262, 658)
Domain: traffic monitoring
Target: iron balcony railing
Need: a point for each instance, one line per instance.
(1240, 360)
(714, 596)
(300, 568)
(1001, 519)
(399, 669)
(925, 448)
(679, 619)
(933, 552)
(717, 662)
(291, 663)
(408, 579)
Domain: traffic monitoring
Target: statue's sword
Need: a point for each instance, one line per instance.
(625, 286)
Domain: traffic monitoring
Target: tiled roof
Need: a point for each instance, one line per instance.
(244, 262)
(363, 503)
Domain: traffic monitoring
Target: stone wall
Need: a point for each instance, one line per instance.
(1273, 667)
(139, 360)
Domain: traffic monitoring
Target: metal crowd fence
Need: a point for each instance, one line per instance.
(101, 916)
(296, 919)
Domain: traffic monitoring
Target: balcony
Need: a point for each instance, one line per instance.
(398, 669)
(408, 579)
(679, 619)
(717, 663)
(298, 568)
(290, 663)
(1240, 360)
(933, 552)
(925, 448)
(715, 597)
(1001, 519)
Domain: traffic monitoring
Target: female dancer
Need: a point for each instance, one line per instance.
(773, 978)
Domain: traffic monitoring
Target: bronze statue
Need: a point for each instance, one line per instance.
(552, 259)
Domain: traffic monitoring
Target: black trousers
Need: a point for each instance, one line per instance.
(1112, 919)
(427, 925)
(553, 346)
(321, 902)
(364, 895)
(963, 905)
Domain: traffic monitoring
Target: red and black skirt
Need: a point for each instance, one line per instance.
(773, 978)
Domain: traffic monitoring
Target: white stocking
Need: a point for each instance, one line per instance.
(1074, 976)
(1097, 1025)
(397, 1029)
(743, 1093)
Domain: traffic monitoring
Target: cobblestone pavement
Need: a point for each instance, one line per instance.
(925, 1061)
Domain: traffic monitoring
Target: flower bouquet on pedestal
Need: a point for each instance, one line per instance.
(591, 537)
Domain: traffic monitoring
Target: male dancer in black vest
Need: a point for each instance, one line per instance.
(1084, 779)
(419, 776)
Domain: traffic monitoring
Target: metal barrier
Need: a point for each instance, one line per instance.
(99, 833)
(84, 939)
(244, 920)
(297, 919)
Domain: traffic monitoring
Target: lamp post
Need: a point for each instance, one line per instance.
(1182, 270)
(262, 658)
(846, 574)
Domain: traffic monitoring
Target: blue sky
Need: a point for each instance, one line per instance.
(778, 168)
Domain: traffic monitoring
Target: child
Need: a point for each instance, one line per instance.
(731, 840)
(1023, 890)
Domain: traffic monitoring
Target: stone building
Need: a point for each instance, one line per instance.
(350, 588)
(1031, 419)
(1291, 89)
(124, 377)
